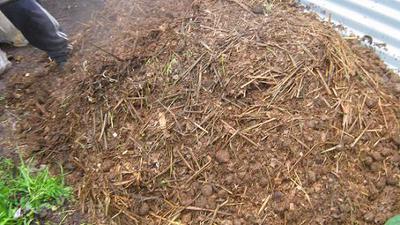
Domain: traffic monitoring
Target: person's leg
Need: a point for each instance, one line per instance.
(4, 63)
(39, 27)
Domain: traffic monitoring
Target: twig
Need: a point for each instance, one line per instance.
(103, 127)
(183, 75)
(107, 52)
(359, 137)
(216, 211)
(233, 131)
(184, 160)
(194, 208)
(302, 157)
(300, 142)
(264, 205)
(197, 125)
(127, 213)
(164, 219)
(383, 114)
(199, 171)
(258, 125)
(245, 7)
(323, 82)
(301, 188)
(333, 148)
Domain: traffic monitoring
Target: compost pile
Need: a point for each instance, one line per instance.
(219, 112)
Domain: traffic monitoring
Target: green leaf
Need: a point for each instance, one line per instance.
(393, 221)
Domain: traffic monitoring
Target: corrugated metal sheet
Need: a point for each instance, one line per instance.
(378, 19)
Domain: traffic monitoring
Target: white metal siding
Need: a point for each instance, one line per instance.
(379, 19)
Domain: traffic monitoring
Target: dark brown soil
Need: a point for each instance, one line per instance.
(27, 61)
(204, 112)
(72, 15)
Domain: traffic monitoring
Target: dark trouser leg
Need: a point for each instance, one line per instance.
(39, 27)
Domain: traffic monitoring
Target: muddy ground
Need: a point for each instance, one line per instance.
(72, 15)
(215, 112)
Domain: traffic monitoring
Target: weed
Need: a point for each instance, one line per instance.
(24, 193)
(169, 67)
(222, 63)
(268, 7)
(188, 54)
(2, 100)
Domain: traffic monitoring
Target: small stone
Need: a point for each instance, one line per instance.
(222, 193)
(207, 190)
(201, 202)
(43, 213)
(318, 102)
(229, 179)
(324, 137)
(242, 175)
(309, 138)
(376, 156)
(196, 186)
(368, 161)
(279, 208)
(319, 160)
(313, 124)
(237, 222)
(277, 196)
(211, 202)
(180, 46)
(222, 156)
(292, 207)
(375, 167)
(396, 88)
(256, 166)
(381, 183)
(107, 165)
(395, 158)
(73, 177)
(69, 166)
(186, 218)
(347, 140)
(227, 222)
(392, 181)
(324, 117)
(396, 139)
(394, 77)
(186, 201)
(345, 208)
(258, 9)
(312, 177)
(278, 181)
(386, 152)
(369, 217)
(371, 103)
(144, 209)
(317, 187)
(264, 182)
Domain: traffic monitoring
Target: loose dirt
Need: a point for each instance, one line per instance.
(27, 61)
(214, 112)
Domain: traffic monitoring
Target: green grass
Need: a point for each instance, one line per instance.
(2, 100)
(268, 7)
(169, 67)
(24, 193)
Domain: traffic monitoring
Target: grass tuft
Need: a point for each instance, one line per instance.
(24, 193)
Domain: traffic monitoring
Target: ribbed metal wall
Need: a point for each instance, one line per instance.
(379, 19)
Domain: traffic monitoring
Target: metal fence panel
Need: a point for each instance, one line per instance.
(378, 19)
